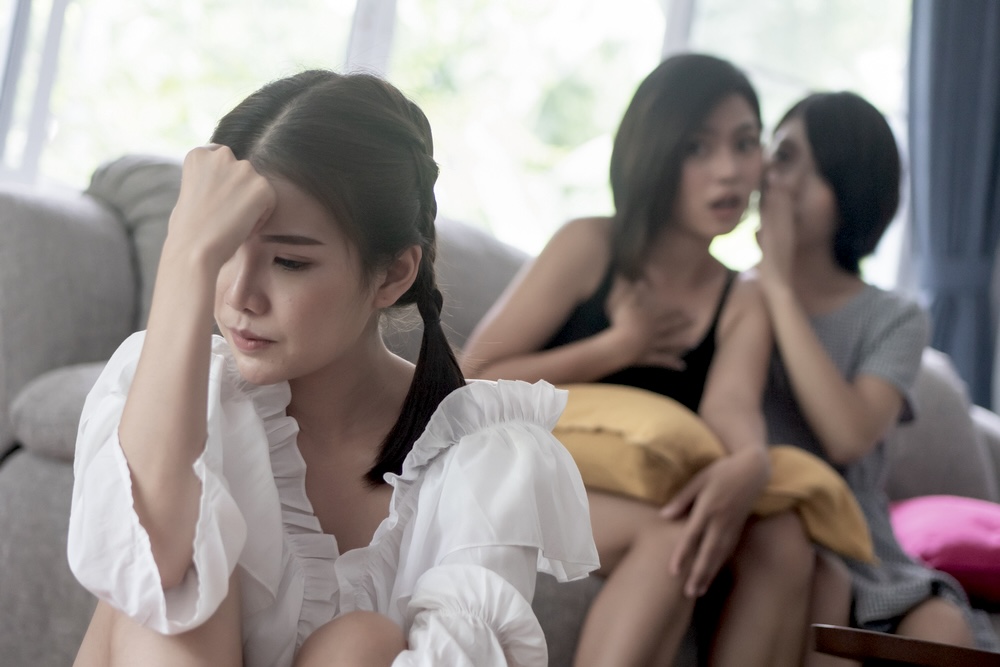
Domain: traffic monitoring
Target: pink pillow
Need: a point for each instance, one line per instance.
(960, 536)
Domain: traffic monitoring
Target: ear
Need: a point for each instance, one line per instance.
(398, 277)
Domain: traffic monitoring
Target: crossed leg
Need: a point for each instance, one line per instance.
(764, 617)
(641, 614)
(831, 605)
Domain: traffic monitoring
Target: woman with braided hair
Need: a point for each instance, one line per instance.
(291, 492)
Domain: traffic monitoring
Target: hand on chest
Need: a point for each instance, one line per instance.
(664, 318)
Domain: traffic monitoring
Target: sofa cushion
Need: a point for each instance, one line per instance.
(939, 452)
(960, 536)
(44, 611)
(46, 413)
(143, 189)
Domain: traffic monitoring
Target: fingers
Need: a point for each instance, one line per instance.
(684, 502)
(688, 544)
(713, 550)
(685, 498)
(221, 201)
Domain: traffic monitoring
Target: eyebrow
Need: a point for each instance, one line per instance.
(745, 127)
(291, 239)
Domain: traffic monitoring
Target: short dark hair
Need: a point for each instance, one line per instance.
(365, 152)
(670, 105)
(856, 153)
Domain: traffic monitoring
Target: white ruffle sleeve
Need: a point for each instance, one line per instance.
(486, 498)
(469, 616)
(109, 550)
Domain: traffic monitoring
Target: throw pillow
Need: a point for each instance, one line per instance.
(646, 446)
(954, 534)
(634, 442)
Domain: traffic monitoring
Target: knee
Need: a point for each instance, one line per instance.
(831, 578)
(658, 539)
(779, 547)
(357, 638)
(937, 620)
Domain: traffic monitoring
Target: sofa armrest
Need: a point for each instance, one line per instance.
(941, 451)
(67, 286)
(987, 425)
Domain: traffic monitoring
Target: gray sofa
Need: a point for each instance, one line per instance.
(76, 271)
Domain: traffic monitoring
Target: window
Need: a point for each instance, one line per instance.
(792, 47)
(524, 98)
(155, 76)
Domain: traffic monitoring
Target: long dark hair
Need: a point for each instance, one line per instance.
(856, 153)
(365, 152)
(670, 105)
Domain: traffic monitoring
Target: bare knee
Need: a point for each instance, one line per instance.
(359, 638)
(116, 639)
(623, 525)
(938, 620)
(659, 538)
(776, 547)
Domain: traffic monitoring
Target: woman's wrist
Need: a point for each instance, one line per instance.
(757, 465)
(621, 347)
(190, 262)
(777, 292)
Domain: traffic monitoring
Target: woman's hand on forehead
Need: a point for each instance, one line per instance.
(221, 201)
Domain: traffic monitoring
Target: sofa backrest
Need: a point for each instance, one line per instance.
(940, 451)
(143, 190)
(473, 268)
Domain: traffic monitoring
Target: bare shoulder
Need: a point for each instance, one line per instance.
(585, 238)
(577, 250)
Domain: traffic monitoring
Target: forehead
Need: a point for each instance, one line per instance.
(792, 135)
(298, 213)
(733, 113)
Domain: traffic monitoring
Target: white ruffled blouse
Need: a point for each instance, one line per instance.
(486, 497)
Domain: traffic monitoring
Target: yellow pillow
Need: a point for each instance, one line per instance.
(646, 446)
(634, 442)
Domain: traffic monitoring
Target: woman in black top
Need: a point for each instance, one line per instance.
(637, 298)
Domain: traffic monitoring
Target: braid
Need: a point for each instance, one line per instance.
(437, 372)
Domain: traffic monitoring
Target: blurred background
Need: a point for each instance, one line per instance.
(524, 95)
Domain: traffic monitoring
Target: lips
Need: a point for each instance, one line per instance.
(726, 202)
(247, 341)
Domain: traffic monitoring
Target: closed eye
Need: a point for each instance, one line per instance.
(290, 264)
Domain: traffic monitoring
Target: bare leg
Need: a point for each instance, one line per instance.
(764, 620)
(357, 639)
(830, 604)
(641, 612)
(115, 639)
(937, 620)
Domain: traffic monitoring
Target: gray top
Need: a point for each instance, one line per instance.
(882, 334)
(876, 333)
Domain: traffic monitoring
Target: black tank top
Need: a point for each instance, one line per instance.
(684, 386)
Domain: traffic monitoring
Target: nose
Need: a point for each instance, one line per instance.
(727, 163)
(243, 284)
